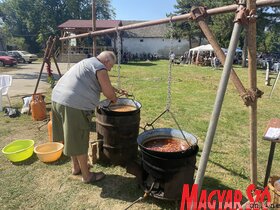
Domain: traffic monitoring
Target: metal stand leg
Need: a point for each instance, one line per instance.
(219, 98)
(269, 163)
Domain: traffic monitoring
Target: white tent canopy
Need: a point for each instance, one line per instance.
(196, 51)
(204, 48)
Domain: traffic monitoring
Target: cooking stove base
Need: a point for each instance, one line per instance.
(168, 188)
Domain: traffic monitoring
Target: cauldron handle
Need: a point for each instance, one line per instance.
(130, 95)
(148, 125)
(132, 98)
(107, 107)
(127, 95)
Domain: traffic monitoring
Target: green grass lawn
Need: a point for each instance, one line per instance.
(35, 185)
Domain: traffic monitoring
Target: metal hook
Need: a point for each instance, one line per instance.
(151, 124)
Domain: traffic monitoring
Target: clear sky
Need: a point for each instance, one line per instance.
(142, 9)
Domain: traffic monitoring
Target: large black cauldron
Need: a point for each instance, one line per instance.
(118, 131)
(169, 171)
(106, 107)
(164, 164)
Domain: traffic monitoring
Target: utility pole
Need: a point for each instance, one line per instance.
(93, 27)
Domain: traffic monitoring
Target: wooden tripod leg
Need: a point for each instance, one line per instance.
(38, 80)
(51, 55)
(45, 59)
(54, 59)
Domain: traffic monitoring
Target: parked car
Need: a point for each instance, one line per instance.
(5, 59)
(27, 57)
(16, 55)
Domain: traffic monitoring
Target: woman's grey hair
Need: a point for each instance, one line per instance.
(107, 56)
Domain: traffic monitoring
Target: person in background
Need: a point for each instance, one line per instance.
(74, 99)
(172, 57)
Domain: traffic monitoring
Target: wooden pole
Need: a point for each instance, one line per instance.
(45, 60)
(252, 70)
(198, 15)
(214, 11)
(94, 27)
(53, 56)
(219, 52)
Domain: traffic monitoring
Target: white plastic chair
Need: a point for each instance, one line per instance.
(5, 84)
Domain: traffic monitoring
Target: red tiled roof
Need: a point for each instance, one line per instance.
(100, 24)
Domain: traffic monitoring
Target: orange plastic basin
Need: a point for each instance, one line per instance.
(49, 152)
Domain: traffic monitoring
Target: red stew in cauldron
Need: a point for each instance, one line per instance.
(166, 145)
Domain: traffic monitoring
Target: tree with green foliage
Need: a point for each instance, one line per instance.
(191, 31)
(36, 20)
(268, 30)
(221, 25)
(186, 29)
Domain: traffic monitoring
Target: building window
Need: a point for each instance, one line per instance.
(141, 40)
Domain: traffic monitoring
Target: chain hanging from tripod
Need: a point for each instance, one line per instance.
(119, 58)
(168, 99)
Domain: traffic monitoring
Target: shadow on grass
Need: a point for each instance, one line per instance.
(210, 184)
(127, 189)
(61, 161)
(142, 63)
(116, 76)
(28, 161)
(227, 169)
(235, 173)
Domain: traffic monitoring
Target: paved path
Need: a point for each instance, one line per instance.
(25, 77)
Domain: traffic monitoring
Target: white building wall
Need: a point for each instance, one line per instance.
(159, 46)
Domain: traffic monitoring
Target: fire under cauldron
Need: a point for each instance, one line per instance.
(168, 158)
(117, 127)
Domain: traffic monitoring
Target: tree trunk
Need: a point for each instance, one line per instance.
(200, 40)
(190, 41)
